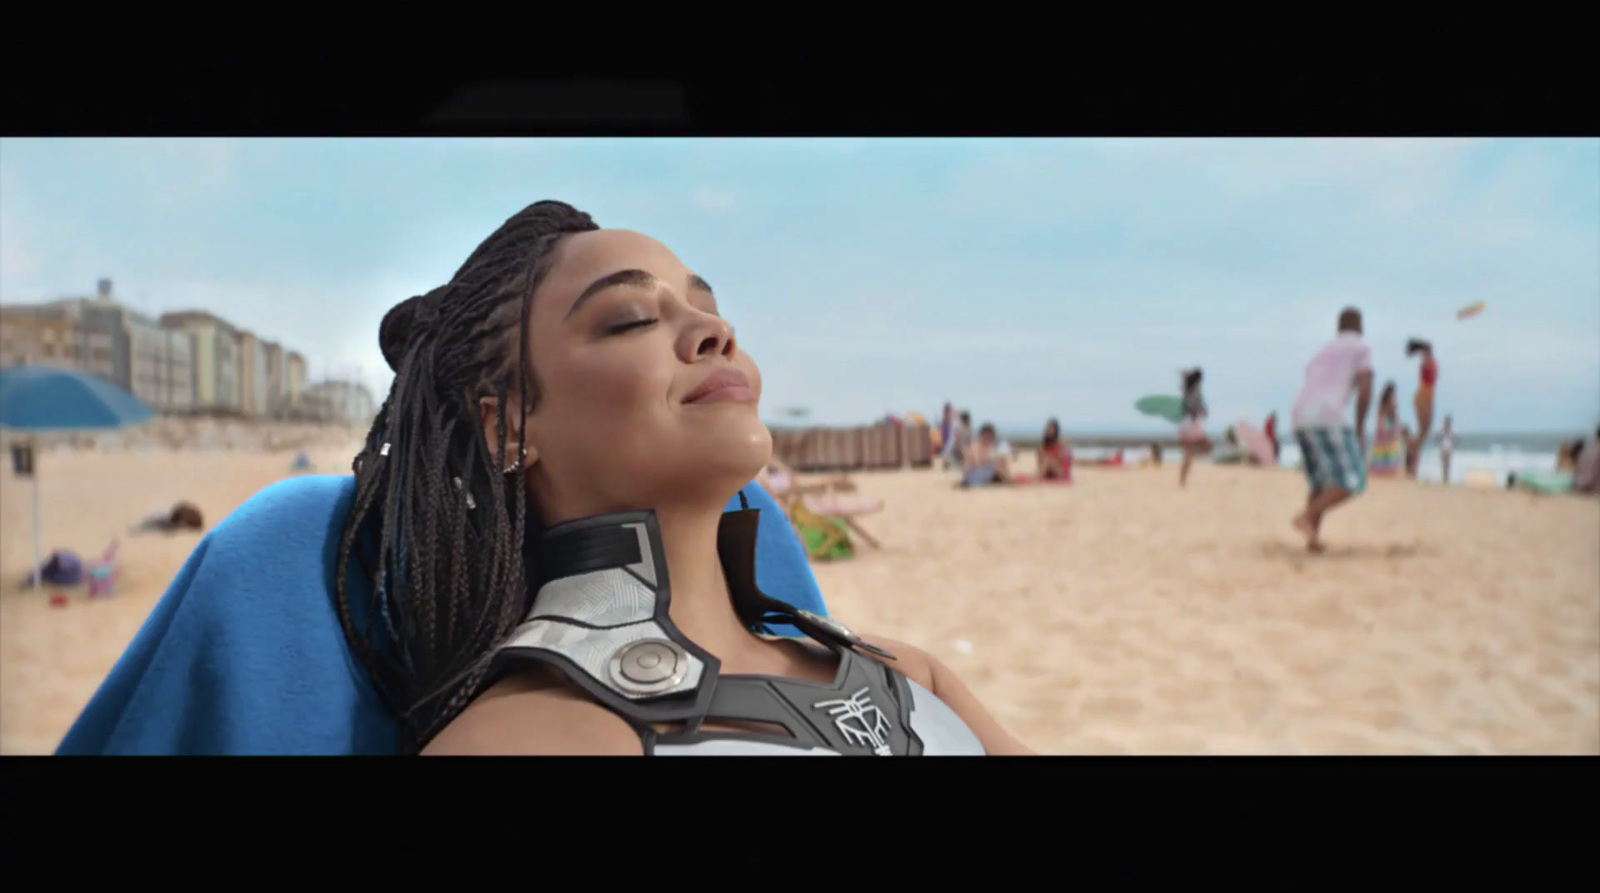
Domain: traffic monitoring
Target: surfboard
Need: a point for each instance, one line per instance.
(1471, 310)
(1161, 406)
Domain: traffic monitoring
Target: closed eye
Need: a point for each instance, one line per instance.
(630, 326)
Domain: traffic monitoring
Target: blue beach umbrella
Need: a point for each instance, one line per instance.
(39, 399)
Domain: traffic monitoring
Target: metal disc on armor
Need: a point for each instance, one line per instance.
(649, 665)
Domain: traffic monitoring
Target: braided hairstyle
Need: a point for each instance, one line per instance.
(439, 530)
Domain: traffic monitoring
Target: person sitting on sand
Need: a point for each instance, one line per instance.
(1335, 455)
(1387, 456)
(985, 464)
(1055, 454)
(1422, 403)
(1192, 433)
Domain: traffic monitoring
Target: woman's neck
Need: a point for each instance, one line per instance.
(702, 606)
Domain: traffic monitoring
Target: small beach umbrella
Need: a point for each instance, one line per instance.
(38, 399)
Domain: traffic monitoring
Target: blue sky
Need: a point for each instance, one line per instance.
(1020, 278)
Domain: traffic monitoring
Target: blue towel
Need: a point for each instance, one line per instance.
(245, 655)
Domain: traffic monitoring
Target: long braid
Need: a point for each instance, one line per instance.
(440, 532)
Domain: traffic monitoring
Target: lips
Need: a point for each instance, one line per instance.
(724, 384)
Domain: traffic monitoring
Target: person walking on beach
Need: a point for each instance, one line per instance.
(1192, 433)
(1447, 445)
(1335, 454)
(960, 441)
(947, 424)
(1270, 428)
(1422, 403)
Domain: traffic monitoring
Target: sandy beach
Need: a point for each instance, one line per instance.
(1121, 615)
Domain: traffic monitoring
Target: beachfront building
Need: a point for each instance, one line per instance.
(30, 339)
(144, 359)
(277, 395)
(215, 359)
(119, 344)
(160, 364)
(254, 399)
(294, 368)
(98, 343)
(341, 402)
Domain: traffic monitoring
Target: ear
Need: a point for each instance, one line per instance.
(489, 417)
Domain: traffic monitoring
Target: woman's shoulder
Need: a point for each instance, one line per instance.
(909, 660)
(536, 712)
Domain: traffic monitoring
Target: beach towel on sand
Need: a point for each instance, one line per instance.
(244, 654)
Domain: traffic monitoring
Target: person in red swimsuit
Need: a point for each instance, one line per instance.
(1055, 454)
(1423, 403)
(1270, 428)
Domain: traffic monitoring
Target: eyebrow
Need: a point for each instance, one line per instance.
(631, 277)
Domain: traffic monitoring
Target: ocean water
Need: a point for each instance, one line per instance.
(1497, 459)
(1498, 454)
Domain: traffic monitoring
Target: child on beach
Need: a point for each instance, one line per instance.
(1192, 433)
(1386, 450)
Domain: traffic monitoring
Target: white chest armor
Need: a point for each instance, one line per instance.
(601, 617)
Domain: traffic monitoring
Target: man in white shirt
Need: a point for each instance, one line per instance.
(1335, 454)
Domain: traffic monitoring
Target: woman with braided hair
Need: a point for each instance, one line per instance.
(539, 509)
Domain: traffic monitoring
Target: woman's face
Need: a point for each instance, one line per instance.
(645, 399)
(1052, 431)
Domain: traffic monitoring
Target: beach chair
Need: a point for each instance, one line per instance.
(821, 507)
(245, 654)
(845, 509)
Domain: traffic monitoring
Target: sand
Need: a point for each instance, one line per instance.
(1122, 615)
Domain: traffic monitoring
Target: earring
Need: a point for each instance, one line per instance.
(516, 466)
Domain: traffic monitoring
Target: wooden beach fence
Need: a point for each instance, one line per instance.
(853, 449)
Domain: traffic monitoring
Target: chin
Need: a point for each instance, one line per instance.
(736, 454)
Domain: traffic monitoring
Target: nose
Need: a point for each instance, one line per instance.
(709, 336)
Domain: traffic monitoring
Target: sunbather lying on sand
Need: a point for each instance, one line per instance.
(183, 516)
